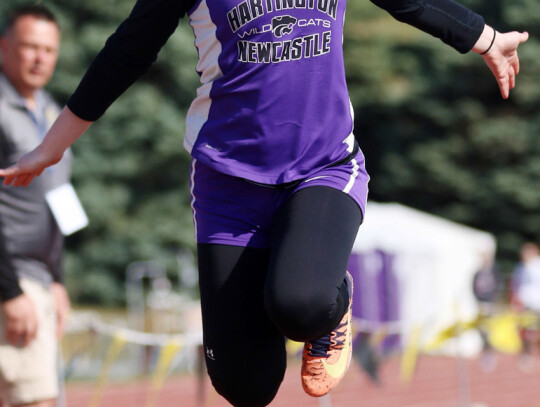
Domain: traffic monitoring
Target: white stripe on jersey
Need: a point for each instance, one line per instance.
(354, 175)
(209, 50)
(193, 197)
(350, 148)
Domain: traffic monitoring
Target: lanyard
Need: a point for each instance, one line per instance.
(40, 118)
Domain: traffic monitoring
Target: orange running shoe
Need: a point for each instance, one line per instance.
(326, 360)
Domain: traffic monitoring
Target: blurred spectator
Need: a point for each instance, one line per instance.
(487, 283)
(34, 302)
(525, 295)
(525, 287)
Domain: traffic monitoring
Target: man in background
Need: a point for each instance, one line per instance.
(33, 301)
(526, 298)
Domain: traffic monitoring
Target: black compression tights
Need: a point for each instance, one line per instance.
(252, 298)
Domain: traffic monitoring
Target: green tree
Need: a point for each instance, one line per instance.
(436, 133)
(131, 171)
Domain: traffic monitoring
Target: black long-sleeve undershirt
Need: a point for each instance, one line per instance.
(127, 55)
(135, 45)
(447, 20)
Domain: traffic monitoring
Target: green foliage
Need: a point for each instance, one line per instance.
(435, 132)
(131, 171)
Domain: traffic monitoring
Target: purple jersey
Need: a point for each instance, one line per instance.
(273, 106)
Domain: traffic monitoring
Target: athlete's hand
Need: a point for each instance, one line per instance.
(502, 58)
(65, 130)
(61, 300)
(21, 320)
(28, 166)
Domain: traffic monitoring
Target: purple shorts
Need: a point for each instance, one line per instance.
(233, 211)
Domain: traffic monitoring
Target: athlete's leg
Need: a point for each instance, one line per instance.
(308, 291)
(313, 233)
(245, 353)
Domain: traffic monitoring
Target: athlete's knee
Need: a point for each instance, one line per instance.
(302, 316)
(246, 390)
(246, 397)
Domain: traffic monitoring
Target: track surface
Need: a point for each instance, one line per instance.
(436, 383)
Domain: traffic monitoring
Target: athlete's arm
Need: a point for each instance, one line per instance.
(65, 130)
(453, 23)
(464, 30)
(127, 55)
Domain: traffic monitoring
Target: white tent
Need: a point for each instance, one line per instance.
(434, 263)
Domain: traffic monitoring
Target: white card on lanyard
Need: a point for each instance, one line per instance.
(66, 209)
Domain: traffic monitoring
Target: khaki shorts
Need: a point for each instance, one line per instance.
(29, 374)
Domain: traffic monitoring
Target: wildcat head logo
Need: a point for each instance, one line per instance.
(283, 25)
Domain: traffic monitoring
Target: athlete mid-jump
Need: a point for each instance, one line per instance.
(278, 184)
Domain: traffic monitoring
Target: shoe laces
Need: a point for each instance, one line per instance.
(334, 340)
